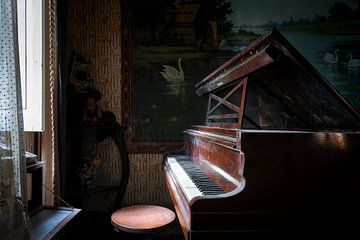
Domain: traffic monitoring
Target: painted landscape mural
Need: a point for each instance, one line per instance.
(177, 43)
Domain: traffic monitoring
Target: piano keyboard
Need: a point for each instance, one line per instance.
(201, 181)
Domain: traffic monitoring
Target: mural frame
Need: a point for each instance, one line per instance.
(127, 8)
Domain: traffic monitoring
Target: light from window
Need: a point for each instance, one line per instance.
(30, 33)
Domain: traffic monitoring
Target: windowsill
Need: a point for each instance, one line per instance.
(49, 221)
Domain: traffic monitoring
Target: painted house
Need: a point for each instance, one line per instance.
(190, 27)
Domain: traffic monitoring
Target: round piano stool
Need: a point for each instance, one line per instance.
(143, 219)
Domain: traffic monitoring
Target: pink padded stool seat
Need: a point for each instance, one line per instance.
(142, 218)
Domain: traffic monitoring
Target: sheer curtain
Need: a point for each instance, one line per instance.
(13, 202)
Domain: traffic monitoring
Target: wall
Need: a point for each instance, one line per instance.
(93, 29)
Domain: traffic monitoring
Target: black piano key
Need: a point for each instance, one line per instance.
(201, 181)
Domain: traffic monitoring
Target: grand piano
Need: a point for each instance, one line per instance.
(279, 154)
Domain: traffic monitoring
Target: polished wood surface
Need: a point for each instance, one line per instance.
(213, 152)
(142, 218)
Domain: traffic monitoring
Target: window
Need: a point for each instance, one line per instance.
(30, 34)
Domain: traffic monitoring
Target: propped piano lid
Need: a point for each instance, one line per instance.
(263, 55)
(265, 50)
(257, 55)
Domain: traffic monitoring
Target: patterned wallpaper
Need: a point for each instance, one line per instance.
(93, 29)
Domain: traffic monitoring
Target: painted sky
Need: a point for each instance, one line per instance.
(258, 12)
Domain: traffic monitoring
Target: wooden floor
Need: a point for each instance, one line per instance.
(89, 225)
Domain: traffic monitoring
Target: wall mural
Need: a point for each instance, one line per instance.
(175, 44)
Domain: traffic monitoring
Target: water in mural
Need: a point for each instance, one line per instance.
(165, 103)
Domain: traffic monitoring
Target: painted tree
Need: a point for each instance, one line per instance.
(357, 2)
(340, 12)
(215, 10)
(149, 18)
(152, 19)
(357, 10)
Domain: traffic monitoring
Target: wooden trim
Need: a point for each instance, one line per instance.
(223, 125)
(224, 116)
(49, 144)
(243, 98)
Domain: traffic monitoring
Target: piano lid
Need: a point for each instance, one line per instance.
(257, 55)
(283, 90)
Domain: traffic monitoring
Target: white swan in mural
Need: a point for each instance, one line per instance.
(331, 58)
(353, 62)
(174, 76)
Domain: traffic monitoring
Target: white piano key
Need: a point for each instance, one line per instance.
(187, 185)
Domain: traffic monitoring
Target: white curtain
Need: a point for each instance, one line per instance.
(13, 202)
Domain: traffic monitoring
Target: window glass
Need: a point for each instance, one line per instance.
(30, 35)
